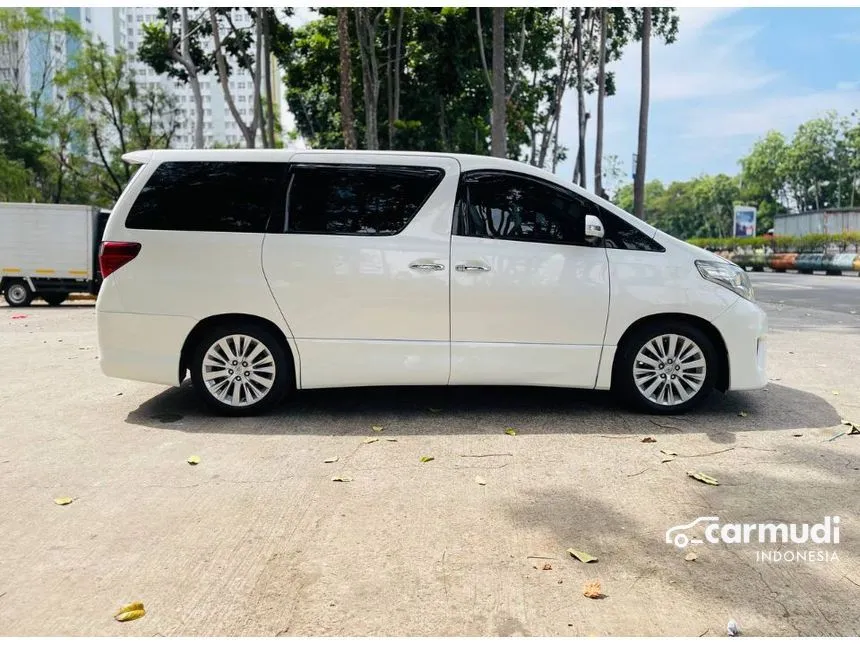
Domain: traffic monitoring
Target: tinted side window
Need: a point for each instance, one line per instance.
(357, 200)
(218, 196)
(621, 235)
(512, 207)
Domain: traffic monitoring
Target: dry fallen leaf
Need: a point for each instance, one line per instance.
(63, 501)
(377, 428)
(424, 460)
(702, 477)
(331, 460)
(480, 480)
(835, 392)
(511, 432)
(742, 414)
(855, 429)
(666, 460)
(193, 460)
(669, 453)
(390, 439)
(592, 590)
(371, 440)
(690, 557)
(547, 566)
(582, 556)
(797, 435)
(341, 478)
(129, 612)
(649, 440)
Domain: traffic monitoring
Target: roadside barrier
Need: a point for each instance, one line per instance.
(807, 263)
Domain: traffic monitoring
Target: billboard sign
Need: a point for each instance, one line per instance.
(745, 217)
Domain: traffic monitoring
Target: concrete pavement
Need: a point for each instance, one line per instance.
(258, 540)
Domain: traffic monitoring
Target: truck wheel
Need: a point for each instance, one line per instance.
(18, 293)
(55, 299)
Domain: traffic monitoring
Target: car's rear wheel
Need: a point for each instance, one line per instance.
(667, 367)
(18, 294)
(240, 370)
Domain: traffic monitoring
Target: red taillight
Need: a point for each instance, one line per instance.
(113, 255)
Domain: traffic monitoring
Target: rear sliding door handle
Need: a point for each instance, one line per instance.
(427, 267)
(471, 267)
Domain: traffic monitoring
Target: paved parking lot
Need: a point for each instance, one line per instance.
(258, 540)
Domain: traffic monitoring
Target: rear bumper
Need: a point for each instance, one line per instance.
(142, 347)
(743, 327)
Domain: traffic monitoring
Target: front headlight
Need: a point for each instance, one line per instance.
(728, 275)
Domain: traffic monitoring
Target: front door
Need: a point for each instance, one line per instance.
(529, 294)
(361, 270)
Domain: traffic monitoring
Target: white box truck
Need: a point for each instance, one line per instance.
(49, 251)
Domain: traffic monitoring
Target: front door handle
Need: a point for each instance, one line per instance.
(427, 267)
(471, 267)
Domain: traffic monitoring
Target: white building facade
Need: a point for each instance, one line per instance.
(29, 61)
(219, 127)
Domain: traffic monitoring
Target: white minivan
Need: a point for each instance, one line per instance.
(260, 272)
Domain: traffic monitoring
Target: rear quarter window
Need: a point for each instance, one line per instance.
(214, 196)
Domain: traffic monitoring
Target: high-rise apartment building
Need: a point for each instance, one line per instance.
(30, 60)
(219, 127)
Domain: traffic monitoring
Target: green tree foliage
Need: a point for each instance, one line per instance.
(120, 115)
(818, 168)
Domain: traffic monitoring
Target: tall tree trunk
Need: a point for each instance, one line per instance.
(347, 116)
(183, 57)
(499, 144)
(601, 95)
(389, 78)
(267, 55)
(366, 32)
(579, 172)
(641, 155)
(257, 122)
(249, 132)
(398, 39)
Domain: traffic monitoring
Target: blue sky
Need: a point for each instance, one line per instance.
(732, 75)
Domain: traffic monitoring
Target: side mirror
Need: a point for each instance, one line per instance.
(593, 227)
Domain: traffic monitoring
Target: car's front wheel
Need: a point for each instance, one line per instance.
(240, 370)
(667, 367)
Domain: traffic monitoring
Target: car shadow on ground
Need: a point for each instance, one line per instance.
(483, 410)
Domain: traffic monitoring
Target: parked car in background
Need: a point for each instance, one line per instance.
(262, 271)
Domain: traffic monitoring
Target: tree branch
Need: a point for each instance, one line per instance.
(481, 49)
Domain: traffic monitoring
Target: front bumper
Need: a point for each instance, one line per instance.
(743, 327)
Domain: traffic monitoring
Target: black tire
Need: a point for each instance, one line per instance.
(284, 380)
(55, 299)
(623, 378)
(18, 293)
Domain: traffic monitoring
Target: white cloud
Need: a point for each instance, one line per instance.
(848, 85)
(782, 113)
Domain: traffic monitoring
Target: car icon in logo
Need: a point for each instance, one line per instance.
(681, 540)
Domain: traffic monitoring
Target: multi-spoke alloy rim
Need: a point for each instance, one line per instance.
(238, 370)
(669, 369)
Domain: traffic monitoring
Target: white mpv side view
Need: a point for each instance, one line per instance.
(263, 271)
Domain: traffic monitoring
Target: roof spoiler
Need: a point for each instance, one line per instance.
(138, 157)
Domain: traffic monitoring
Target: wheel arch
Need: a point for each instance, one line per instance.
(713, 334)
(225, 319)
